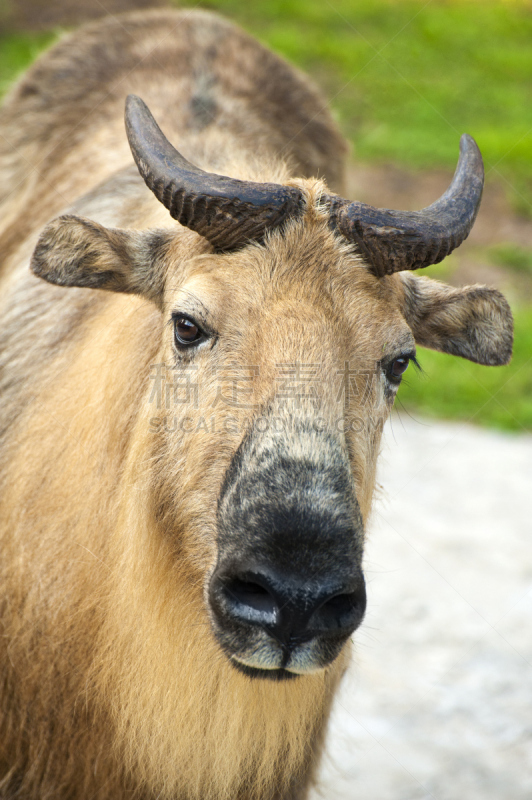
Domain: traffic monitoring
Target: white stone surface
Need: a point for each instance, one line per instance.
(438, 701)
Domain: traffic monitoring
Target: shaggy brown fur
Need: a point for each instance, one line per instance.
(112, 683)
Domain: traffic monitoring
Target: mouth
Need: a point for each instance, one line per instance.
(255, 673)
(272, 664)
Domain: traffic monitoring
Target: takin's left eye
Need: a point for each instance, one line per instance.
(398, 366)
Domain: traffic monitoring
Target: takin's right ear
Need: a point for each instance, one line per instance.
(73, 251)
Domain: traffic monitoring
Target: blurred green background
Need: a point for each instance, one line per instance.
(405, 78)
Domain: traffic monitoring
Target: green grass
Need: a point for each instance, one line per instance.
(17, 50)
(508, 254)
(452, 388)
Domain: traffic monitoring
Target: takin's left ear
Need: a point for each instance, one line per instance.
(474, 322)
(74, 251)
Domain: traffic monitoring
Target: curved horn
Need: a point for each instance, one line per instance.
(226, 211)
(392, 241)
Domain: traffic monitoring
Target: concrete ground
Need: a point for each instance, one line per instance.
(438, 700)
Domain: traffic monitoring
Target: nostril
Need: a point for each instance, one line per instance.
(343, 605)
(251, 595)
(340, 612)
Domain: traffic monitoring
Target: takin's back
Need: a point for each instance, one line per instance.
(62, 129)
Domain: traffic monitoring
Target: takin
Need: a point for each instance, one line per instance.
(194, 381)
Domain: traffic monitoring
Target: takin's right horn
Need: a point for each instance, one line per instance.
(228, 212)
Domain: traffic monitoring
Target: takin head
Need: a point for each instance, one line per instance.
(286, 326)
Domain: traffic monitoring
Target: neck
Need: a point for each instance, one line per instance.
(188, 723)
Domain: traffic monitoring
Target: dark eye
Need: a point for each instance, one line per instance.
(398, 367)
(186, 331)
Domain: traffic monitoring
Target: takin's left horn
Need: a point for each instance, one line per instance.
(391, 241)
(228, 212)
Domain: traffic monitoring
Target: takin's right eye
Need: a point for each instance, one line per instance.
(186, 331)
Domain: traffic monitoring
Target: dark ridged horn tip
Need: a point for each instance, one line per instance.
(392, 241)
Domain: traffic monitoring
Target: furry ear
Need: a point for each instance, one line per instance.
(474, 322)
(73, 251)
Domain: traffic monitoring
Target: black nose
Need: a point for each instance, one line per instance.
(289, 609)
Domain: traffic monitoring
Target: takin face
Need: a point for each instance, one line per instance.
(285, 332)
